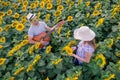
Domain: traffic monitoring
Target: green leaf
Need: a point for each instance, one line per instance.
(41, 63)
(78, 14)
(31, 74)
(115, 28)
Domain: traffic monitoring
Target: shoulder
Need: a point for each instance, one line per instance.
(42, 22)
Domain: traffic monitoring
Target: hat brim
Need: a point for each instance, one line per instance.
(33, 16)
(85, 37)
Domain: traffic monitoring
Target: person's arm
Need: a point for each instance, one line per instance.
(48, 28)
(30, 40)
(86, 59)
(54, 27)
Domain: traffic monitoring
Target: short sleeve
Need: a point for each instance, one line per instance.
(89, 49)
(30, 32)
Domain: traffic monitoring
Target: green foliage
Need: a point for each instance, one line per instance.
(107, 39)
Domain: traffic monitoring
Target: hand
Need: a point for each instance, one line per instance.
(58, 25)
(42, 42)
(70, 54)
(73, 48)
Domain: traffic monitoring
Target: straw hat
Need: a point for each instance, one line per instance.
(84, 33)
(30, 16)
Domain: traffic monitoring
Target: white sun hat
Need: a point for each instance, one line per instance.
(30, 16)
(84, 33)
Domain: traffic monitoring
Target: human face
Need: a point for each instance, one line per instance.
(34, 21)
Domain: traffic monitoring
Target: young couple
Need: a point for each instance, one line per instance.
(85, 48)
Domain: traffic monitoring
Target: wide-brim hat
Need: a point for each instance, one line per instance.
(84, 33)
(30, 16)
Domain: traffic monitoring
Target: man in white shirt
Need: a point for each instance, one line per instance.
(36, 28)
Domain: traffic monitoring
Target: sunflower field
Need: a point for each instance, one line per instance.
(20, 60)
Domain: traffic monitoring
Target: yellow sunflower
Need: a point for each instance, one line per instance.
(12, 78)
(68, 78)
(7, 3)
(57, 61)
(47, 17)
(79, 2)
(24, 17)
(47, 78)
(17, 64)
(20, 1)
(101, 60)
(38, 15)
(67, 1)
(15, 6)
(49, 6)
(33, 5)
(71, 43)
(7, 27)
(24, 8)
(16, 15)
(2, 61)
(1, 46)
(117, 53)
(24, 42)
(118, 37)
(37, 58)
(3, 3)
(9, 12)
(23, 21)
(87, 3)
(26, 37)
(68, 33)
(68, 50)
(11, 53)
(1, 20)
(69, 18)
(18, 71)
(30, 67)
(42, 4)
(87, 15)
(110, 77)
(17, 47)
(2, 14)
(60, 7)
(59, 30)
(58, 2)
(15, 23)
(100, 21)
(109, 42)
(20, 27)
(57, 13)
(48, 49)
(96, 13)
(1, 29)
(25, 3)
(98, 5)
(37, 45)
(37, 3)
(31, 49)
(3, 40)
(118, 64)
